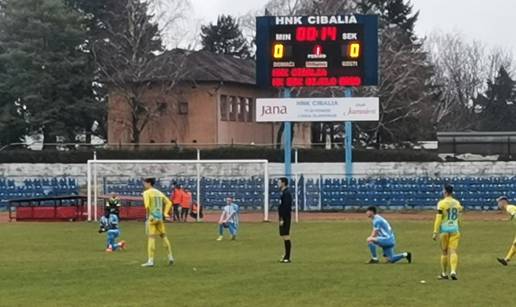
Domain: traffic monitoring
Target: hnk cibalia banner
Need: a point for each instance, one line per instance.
(317, 109)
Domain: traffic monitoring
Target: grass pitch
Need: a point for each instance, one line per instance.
(63, 264)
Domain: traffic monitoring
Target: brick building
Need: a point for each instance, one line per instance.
(214, 104)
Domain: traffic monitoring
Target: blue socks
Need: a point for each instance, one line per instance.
(372, 249)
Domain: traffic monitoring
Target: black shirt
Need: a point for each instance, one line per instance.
(285, 207)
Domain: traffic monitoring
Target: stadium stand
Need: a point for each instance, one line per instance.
(11, 188)
(476, 193)
(322, 193)
(314, 193)
(249, 192)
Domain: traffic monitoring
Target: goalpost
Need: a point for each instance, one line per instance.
(210, 181)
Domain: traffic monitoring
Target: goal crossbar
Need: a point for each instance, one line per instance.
(92, 180)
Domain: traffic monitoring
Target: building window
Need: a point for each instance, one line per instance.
(242, 114)
(233, 101)
(250, 106)
(183, 108)
(224, 108)
(234, 108)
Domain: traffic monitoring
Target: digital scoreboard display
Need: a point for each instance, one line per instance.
(317, 51)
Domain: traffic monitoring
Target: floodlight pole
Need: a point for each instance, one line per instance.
(348, 142)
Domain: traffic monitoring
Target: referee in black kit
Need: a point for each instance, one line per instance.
(285, 214)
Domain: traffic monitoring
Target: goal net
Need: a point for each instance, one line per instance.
(209, 181)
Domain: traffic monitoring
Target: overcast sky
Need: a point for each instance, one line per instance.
(491, 21)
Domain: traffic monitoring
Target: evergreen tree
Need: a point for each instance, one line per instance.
(497, 105)
(44, 69)
(12, 125)
(225, 37)
(126, 37)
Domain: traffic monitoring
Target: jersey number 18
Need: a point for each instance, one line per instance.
(453, 214)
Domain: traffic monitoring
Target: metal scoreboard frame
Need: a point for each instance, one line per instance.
(317, 51)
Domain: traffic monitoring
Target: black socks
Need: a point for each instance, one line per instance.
(288, 246)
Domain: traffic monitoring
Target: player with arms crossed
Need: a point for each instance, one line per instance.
(383, 236)
(503, 204)
(229, 219)
(447, 227)
(157, 207)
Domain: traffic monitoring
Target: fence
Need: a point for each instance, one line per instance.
(321, 192)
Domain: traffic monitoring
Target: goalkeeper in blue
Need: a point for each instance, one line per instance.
(109, 224)
(383, 236)
(229, 219)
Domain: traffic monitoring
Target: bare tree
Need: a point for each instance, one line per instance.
(402, 90)
(461, 71)
(132, 61)
(303, 7)
(177, 28)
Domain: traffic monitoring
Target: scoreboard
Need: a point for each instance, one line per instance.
(317, 51)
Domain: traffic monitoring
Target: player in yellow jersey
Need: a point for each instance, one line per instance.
(447, 227)
(157, 207)
(503, 204)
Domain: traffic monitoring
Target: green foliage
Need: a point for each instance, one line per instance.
(125, 38)
(12, 124)
(225, 37)
(63, 264)
(44, 69)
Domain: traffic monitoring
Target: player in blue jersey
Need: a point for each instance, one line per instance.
(229, 219)
(109, 224)
(383, 236)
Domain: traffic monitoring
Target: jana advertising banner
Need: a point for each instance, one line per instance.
(317, 109)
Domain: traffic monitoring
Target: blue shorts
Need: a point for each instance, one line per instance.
(112, 235)
(385, 242)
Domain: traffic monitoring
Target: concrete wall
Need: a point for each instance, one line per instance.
(480, 169)
(415, 169)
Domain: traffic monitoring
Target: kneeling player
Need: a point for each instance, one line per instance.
(503, 204)
(229, 219)
(109, 225)
(383, 236)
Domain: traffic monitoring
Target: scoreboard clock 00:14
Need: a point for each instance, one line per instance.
(306, 54)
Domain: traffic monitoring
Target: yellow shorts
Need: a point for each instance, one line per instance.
(450, 240)
(156, 228)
